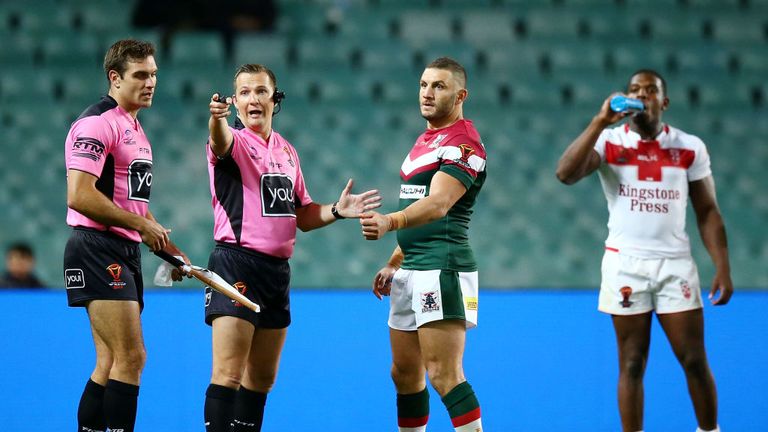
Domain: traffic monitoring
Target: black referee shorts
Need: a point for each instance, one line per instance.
(101, 265)
(264, 279)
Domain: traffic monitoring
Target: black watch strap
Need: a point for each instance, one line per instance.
(335, 212)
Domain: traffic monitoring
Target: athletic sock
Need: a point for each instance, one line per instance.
(413, 411)
(219, 407)
(90, 413)
(716, 429)
(463, 408)
(249, 410)
(120, 400)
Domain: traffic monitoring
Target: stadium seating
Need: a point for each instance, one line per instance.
(538, 72)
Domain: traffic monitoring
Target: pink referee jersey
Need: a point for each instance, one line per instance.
(110, 144)
(256, 190)
(646, 185)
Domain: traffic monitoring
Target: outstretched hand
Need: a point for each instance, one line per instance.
(354, 205)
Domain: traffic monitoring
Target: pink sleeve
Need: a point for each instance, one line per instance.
(89, 142)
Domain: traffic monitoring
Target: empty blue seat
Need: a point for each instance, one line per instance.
(19, 50)
(269, 50)
(67, 49)
(487, 26)
(385, 55)
(581, 58)
(368, 25)
(104, 17)
(197, 48)
(39, 17)
(739, 29)
(548, 24)
(319, 52)
(421, 26)
(511, 60)
(677, 28)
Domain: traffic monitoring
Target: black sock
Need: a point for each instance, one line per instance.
(249, 410)
(90, 413)
(219, 406)
(120, 400)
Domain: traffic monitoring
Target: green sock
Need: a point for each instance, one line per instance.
(413, 409)
(462, 405)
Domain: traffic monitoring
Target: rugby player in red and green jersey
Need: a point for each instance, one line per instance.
(431, 277)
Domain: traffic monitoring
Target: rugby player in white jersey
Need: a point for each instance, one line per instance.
(648, 170)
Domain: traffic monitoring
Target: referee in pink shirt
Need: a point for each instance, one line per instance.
(259, 198)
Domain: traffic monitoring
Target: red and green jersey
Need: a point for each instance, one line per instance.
(442, 244)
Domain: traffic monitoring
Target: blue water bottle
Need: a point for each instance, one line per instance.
(621, 103)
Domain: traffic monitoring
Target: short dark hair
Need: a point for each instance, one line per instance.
(125, 50)
(650, 72)
(254, 68)
(21, 249)
(447, 63)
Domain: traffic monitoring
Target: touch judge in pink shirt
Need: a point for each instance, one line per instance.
(109, 177)
(259, 198)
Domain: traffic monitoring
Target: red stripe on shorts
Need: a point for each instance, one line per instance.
(611, 249)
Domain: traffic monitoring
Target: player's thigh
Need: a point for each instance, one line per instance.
(633, 334)
(408, 370)
(264, 356)
(231, 340)
(406, 351)
(685, 331)
(117, 323)
(442, 342)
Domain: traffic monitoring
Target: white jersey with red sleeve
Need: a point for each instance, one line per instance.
(646, 186)
(107, 142)
(256, 189)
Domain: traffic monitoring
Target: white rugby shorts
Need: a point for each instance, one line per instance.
(422, 296)
(634, 285)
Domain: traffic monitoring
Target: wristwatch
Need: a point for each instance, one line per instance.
(335, 212)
